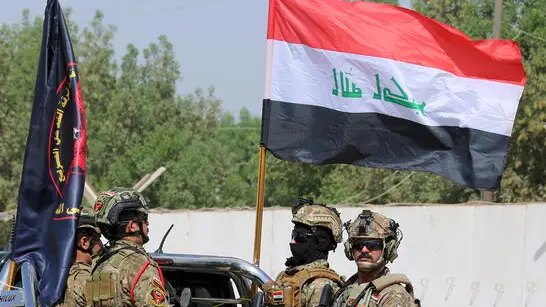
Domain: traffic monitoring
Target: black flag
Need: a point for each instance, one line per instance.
(54, 166)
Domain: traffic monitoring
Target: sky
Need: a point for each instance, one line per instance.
(218, 43)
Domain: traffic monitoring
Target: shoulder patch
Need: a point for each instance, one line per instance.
(158, 295)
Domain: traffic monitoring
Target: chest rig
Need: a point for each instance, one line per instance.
(286, 290)
(103, 287)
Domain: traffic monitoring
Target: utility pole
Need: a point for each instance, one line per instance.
(488, 195)
(497, 21)
(90, 193)
(148, 179)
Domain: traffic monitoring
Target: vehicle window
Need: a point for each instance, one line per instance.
(237, 294)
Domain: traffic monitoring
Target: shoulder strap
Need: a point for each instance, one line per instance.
(391, 279)
(321, 272)
(136, 279)
(111, 253)
(349, 282)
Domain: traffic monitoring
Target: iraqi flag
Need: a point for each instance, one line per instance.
(382, 86)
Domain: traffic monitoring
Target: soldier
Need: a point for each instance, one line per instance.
(88, 244)
(373, 241)
(125, 275)
(317, 230)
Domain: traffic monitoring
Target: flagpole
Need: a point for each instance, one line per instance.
(488, 195)
(10, 280)
(260, 199)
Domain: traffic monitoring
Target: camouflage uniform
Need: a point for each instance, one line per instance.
(306, 282)
(125, 275)
(311, 292)
(75, 285)
(387, 290)
(121, 272)
(79, 271)
(392, 295)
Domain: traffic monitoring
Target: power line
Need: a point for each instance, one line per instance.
(384, 193)
(389, 190)
(520, 31)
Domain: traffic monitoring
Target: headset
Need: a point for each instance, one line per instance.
(390, 243)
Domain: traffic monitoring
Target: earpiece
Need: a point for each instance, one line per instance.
(348, 248)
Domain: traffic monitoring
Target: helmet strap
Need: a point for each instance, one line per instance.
(87, 251)
(138, 233)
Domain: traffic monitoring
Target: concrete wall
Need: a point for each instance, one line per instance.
(456, 255)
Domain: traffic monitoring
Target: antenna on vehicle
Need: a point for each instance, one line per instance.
(160, 249)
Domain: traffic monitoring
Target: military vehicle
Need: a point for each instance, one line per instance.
(192, 281)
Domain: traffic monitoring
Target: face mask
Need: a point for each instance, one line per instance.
(304, 250)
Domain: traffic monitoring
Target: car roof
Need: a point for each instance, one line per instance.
(211, 263)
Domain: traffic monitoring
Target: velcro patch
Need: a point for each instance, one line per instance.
(98, 206)
(278, 296)
(158, 295)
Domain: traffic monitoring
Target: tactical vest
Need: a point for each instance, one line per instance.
(286, 290)
(103, 287)
(370, 294)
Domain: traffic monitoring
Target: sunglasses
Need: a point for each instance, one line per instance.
(301, 236)
(370, 244)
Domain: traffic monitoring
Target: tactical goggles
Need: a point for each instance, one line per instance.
(370, 244)
(301, 236)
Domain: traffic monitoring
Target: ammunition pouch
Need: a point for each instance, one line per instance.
(103, 288)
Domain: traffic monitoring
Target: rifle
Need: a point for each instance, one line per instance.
(326, 296)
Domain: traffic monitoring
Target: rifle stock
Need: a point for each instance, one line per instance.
(326, 296)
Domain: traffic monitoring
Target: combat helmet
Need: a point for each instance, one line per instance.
(110, 204)
(87, 220)
(372, 225)
(306, 212)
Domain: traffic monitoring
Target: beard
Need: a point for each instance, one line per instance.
(145, 238)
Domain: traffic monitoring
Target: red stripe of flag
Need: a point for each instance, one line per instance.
(392, 32)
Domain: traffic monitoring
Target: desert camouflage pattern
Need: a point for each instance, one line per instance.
(108, 202)
(393, 295)
(320, 215)
(311, 292)
(112, 280)
(301, 286)
(97, 256)
(371, 225)
(75, 285)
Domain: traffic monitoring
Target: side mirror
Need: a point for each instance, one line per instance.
(185, 297)
(257, 300)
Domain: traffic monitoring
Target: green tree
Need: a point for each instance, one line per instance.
(19, 50)
(522, 20)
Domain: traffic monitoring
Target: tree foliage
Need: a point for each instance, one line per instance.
(137, 122)
(522, 21)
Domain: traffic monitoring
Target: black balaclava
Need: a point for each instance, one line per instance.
(316, 245)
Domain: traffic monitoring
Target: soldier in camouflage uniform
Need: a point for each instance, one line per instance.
(125, 275)
(317, 230)
(88, 244)
(373, 241)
